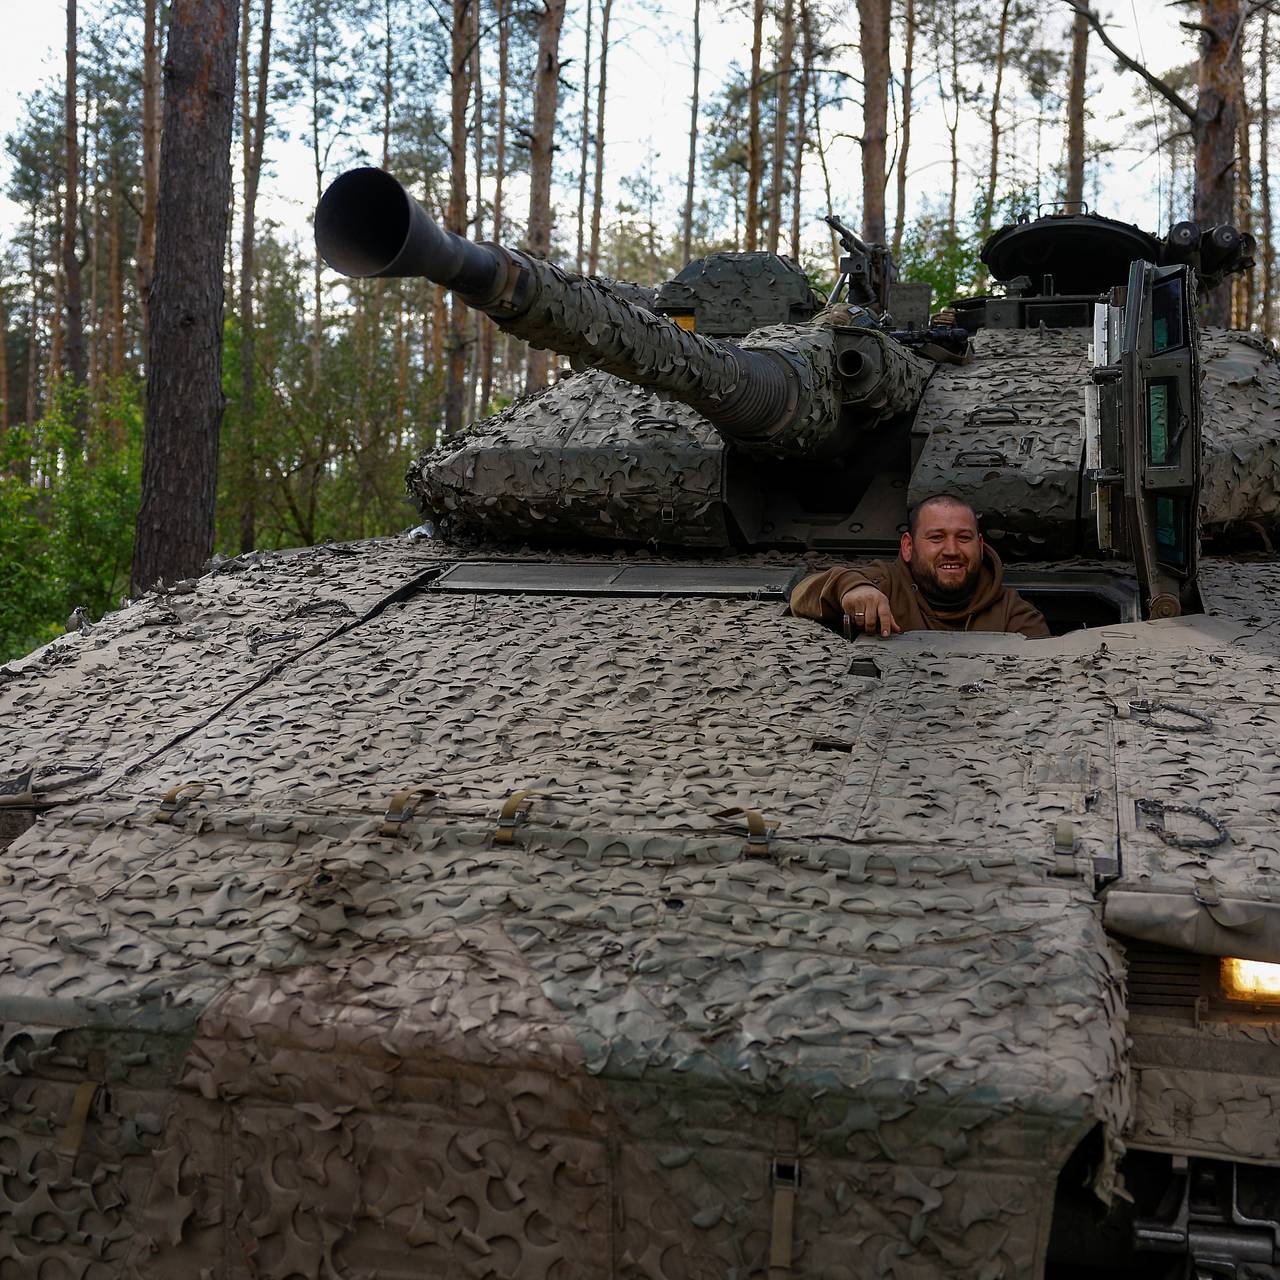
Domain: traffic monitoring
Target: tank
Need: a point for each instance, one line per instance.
(533, 896)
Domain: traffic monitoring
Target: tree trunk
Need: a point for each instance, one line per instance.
(584, 143)
(229, 246)
(372, 432)
(115, 271)
(953, 120)
(908, 67)
(388, 89)
(1264, 177)
(253, 128)
(1074, 192)
(33, 328)
(184, 377)
(488, 333)
(686, 240)
(755, 157)
(439, 323)
(1212, 119)
(993, 123)
(317, 167)
(782, 101)
(72, 300)
(1218, 83)
(455, 218)
(1243, 284)
(541, 152)
(402, 374)
(500, 140)
(597, 192)
(93, 199)
(873, 27)
(802, 134)
(146, 252)
(478, 321)
(817, 133)
(57, 332)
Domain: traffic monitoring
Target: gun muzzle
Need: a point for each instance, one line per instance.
(367, 224)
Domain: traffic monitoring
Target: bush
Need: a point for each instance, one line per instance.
(68, 505)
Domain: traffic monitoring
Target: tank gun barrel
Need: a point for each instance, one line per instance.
(779, 396)
(367, 224)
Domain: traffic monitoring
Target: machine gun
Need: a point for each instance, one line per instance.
(950, 338)
(866, 270)
(806, 393)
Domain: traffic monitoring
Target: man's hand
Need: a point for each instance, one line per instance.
(868, 610)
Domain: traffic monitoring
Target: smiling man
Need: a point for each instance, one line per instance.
(944, 579)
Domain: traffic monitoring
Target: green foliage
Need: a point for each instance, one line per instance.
(933, 253)
(67, 513)
(330, 437)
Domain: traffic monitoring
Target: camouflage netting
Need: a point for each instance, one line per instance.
(583, 319)
(346, 1006)
(1006, 433)
(592, 457)
(1241, 429)
(891, 385)
(730, 294)
(1189, 1102)
(800, 417)
(893, 380)
(639, 295)
(809, 352)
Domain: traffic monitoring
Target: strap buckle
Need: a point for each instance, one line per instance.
(784, 1181)
(401, 807)
(1065, 845)
(759, 842)
(176, 800)
(515, 811)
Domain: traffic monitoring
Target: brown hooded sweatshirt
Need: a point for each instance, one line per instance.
(991, 607)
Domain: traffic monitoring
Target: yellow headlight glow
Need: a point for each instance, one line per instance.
(1251, 980)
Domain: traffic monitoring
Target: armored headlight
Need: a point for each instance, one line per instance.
(1250, 980)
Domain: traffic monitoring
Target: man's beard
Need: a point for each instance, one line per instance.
(936, 592)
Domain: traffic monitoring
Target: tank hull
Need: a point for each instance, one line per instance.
(426, 926)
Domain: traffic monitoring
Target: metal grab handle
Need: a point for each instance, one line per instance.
(992, 415)
(980, 458)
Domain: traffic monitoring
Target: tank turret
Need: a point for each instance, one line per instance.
(732, 408)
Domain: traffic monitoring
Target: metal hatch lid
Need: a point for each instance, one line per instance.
(1084, 252)
(578, 578)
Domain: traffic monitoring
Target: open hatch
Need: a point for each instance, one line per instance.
(1143, 448)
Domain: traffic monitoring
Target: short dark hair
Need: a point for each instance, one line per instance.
(946, 499)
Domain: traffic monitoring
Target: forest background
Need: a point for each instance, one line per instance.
(609, 135)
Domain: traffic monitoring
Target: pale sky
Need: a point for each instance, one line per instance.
(648, 113)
